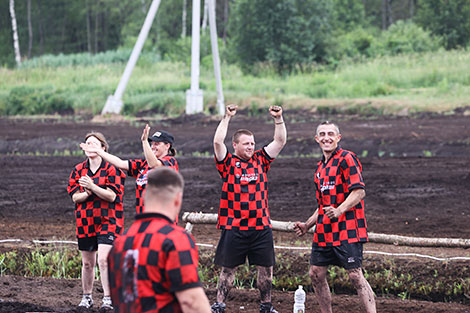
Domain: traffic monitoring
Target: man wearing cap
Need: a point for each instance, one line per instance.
(158, 151)
(243, 211)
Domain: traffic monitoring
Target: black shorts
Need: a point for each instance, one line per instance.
(91, 243)
(235, 245)
(348, 255)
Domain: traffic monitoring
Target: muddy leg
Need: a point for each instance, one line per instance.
(320, 285)
(363, 290)
(226, 278)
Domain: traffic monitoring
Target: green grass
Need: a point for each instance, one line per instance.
(436, 82)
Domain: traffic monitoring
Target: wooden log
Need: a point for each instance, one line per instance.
(211, 218)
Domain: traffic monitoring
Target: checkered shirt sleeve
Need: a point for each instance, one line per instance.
(138, 168)
(170, 162)
(334, 181)
(96, 216)
(244, 199)
(152, 261)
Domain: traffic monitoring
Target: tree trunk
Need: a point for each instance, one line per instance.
(41, 29)
(97, 26)
(204, 19)
(411, 8)
(226, 7)
(88, 27)
(30, 28)
(183, 19)
(16, 42)
(387, 18)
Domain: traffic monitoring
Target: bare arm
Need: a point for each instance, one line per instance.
(280, 132)
(351, 201)
(104, 193)
(80, 197)
(302, 228)
(220, 149)
(193, 300)
(108, 157)
(152, 160)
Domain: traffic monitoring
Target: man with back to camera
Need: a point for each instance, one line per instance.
(243, 211)
(341, 227)
(153, 266)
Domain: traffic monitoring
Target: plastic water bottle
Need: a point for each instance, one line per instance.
(299, 298)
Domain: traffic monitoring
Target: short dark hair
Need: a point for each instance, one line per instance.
(238, 133)
(327, 123)
(164, 177)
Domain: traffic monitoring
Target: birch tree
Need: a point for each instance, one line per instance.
(16, 42)
(183, 19)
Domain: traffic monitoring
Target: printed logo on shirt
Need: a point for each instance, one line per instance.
(248, 178)
(327, 186)
(351, 260)
(237, 164)
(142, 179)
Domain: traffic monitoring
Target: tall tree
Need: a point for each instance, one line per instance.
(30, 29)
(16, 42)
(183, 19)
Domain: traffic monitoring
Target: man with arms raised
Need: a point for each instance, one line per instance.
(153, 266)
(243, 211)
(341, 227)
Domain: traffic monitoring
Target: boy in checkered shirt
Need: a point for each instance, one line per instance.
(341, 227)
(243, 211)
(153, 266)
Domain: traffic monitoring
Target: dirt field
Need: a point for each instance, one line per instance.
(416, 171)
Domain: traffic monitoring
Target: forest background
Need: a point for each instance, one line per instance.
(291, 52)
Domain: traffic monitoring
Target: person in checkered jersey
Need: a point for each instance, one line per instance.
(158, 151)
(341, 228)
(153, 266)
(96, 188)
(243, 210)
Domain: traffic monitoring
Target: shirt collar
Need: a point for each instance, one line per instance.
(142, 216)
(332, 155)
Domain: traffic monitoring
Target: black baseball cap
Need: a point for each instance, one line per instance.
(162, 136)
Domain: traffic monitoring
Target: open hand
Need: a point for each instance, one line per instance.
(145, 133)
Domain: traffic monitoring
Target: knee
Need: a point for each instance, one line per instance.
(88, 264)
(356, 277)
(103, 263)
(316, 275)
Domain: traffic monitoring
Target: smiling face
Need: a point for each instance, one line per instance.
(159, 148)
(244, 147)
(328, 137)
(92, 141)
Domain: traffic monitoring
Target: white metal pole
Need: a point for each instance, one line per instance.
(215, 58)
(114, 103)
(194, 95)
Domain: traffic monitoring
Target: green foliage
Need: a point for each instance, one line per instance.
(447, 19)
(405, 37)
(86, 59)
(28, 100)
(287, 34)
(60, 263)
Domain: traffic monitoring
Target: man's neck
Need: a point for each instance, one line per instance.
(171, 214)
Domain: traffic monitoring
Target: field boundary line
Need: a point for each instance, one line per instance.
(208, 245)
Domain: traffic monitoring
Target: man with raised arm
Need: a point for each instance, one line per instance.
(243, 211)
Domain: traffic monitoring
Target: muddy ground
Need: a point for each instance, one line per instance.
(416, 170)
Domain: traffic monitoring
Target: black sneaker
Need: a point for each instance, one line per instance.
(218, 307)
(267, 308)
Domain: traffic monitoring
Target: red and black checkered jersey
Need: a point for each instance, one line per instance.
(334, 180)
(96, 216)
(244, 198)
(139, 168)
(149, 263)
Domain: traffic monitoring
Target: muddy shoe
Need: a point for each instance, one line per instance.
(107, 304)
(218, 307)
(267, 308)
(87, 301)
